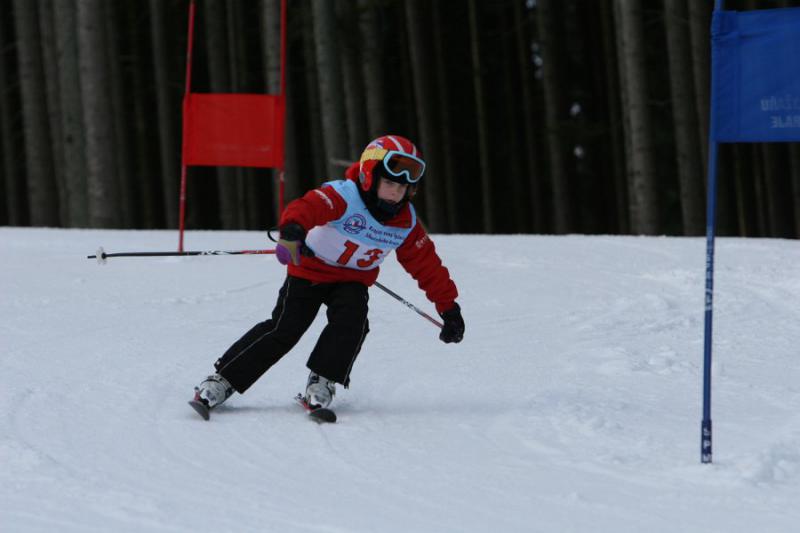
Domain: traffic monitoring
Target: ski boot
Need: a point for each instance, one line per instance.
(214, 390)
(319, 391)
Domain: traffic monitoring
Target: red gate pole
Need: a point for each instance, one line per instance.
(189, 46)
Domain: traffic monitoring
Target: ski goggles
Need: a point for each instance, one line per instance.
(397, 164)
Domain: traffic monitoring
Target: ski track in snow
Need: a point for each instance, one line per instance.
(573, 403)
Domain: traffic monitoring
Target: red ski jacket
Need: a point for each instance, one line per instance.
(417, 254)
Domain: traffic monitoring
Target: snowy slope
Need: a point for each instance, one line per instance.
(573, 403)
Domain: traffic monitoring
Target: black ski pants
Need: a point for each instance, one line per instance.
(299, 301)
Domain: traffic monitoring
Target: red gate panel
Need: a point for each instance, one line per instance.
(234, 130)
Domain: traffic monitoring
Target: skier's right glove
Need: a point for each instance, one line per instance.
(290, 244)
(453, 329)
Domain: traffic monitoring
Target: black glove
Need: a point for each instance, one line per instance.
(453, 330)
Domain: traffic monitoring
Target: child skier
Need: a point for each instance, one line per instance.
(333, 240)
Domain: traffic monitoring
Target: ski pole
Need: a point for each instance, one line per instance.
(408, 304)
(101, 254)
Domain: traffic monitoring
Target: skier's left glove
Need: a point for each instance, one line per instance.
(453, 329)
(290, 244)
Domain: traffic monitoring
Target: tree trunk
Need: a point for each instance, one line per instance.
(616, 129)
(42, 195)
(446, 143)
(248, 190)
(128, 186)
(687, 143)
(794, 157)
(513, 148)
(744, 189)
(52, 90)
(169, 155)
(482, 122)
(14, 197)
(293, 186)
(9, 176)
(547, 23)
(72, 135)
(314, 146)
(426, 111)
(144, 127)
(623, 114)
(148, 193)
(216, 45)
(102, 182)
(372, 64)
(777, 190)
(700, 31)
(271, 55)
(354, 94)
(642, 180)
(329, 77)
(271, 44)
(3, 209)
(529, 120)
(582, 160)
(760, 196)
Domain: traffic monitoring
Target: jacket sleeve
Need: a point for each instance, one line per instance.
(315, 208)
(418, 256)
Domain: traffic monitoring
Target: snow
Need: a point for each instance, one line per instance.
(573, 403)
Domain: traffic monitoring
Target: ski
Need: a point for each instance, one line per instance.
(200, 407)
(319, 415)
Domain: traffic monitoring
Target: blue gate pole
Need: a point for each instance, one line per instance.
(705, 430)
(711, 208)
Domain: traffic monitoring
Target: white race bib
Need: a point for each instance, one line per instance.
(356, 240)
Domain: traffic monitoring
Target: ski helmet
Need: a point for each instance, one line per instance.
(392, 157)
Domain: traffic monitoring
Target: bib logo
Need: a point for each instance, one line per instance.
(355, 224)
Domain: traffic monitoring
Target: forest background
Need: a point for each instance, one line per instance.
(537, 116)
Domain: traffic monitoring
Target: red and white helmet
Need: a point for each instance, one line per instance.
(401, 161)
